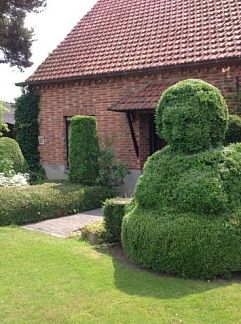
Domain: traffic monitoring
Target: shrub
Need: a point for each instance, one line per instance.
(3, 125)
(114, 211)
(111, 171)
(94, 233)
(84, 151)
(192, 116)
(233, 134)
(10, 153)
(186, 216)
(27, 130)
(183, 244)
(50, 200)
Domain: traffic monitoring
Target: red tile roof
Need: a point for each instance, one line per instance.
(119, 36)
(144, 99)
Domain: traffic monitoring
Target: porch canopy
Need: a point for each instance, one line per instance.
(144, 99)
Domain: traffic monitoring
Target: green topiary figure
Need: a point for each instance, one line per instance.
(84, 151)
(186, 218)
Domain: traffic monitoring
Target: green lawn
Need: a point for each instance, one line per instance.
(48, 280)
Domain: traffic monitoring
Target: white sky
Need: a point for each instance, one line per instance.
(50, 28)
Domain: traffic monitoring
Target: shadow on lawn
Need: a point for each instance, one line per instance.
(133, 280)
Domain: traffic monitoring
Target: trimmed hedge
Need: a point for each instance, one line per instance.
(233, 134)
(186, 216)
(114, 211)
(10, 151)
(84, 150)
(192, 116)
(183, 244)
(50, 200)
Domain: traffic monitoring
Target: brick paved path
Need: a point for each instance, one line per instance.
(65, 226)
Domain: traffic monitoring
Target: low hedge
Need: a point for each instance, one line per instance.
(186, 244)
(49, 200)
(114, 211)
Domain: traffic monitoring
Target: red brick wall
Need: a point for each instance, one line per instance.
(94, 98)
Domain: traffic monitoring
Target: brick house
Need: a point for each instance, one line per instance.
(117, 61)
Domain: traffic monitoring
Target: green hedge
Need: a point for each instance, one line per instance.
(233, 134)
(10, 151)
(114, 211)
(183, 244)
(50, 200)
(84, 150)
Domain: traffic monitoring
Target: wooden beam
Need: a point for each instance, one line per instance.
(133, 135)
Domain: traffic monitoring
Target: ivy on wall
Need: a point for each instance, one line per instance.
(27, 129)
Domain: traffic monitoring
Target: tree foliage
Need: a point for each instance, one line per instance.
(3, 125)
(15, 38)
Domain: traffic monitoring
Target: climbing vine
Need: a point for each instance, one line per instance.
(27, 128)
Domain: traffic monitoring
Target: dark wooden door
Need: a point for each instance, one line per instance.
(156, 143)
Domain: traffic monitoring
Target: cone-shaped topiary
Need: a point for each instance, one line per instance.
(186, 218)
(84, 150)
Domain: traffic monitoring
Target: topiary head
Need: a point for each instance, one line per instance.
(192, 116)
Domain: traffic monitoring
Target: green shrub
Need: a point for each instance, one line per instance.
(10, 153)
(192, 116)
(27, 130)
(84, 151)
(186, 214)
(114, 211)
(233, 134)
(183, 244)
(50, 200)
(94, 233)
(111, 171)
(3, 125)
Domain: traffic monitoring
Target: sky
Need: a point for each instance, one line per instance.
(50, 28)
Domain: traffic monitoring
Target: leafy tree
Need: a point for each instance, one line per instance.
(15, 38)
(3, 126)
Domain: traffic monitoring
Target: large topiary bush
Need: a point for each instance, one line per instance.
(233, 134)
(186, 218)
(84, 150)
(10, 152)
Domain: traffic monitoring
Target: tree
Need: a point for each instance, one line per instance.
(3, 126)
(15, 38)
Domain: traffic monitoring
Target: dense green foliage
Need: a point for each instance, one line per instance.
(15, 38)
(10, 153)
(233, 134)
(114, 211)
(186, 217)
(39, 202)
(93, 233)
(26, 115)
(192, 116)
(111, 171)
(3, 125)
(84, 150)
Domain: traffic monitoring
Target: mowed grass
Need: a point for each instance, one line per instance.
(51, 280)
